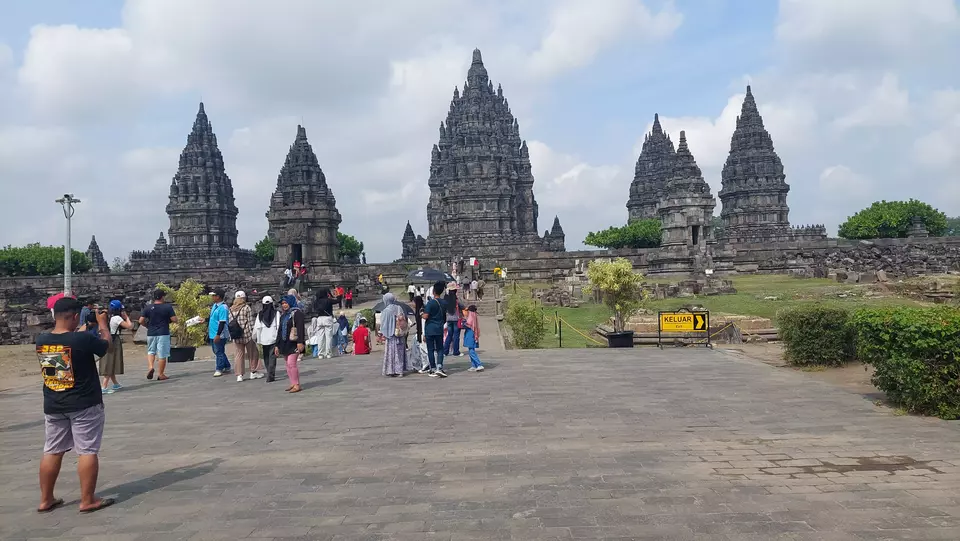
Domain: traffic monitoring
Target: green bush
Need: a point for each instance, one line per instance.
(914, 352)
(525, 320)
(348, 246)
(816, 335)
(638, 234)
(36, 260)
(370, 316)
(189, 300)
(265, 251)
(891, 219)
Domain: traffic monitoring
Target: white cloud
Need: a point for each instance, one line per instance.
(580, 29)
(853, 33)
(886, 105)
(78, 72)
(939, 150)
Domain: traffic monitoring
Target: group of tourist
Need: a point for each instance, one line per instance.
(74, 384)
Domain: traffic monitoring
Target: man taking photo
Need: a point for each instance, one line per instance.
(72, 403)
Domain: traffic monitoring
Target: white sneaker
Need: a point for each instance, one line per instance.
(256, 375)
(479, 369)
(471, 369)
(217, 374)
(240, 378)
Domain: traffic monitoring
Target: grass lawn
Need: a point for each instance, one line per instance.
(757, 295)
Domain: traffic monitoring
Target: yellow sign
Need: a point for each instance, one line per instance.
(684, 321)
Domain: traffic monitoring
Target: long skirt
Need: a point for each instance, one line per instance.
(395, 357)
(111, 364)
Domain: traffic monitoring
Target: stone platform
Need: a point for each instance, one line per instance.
(565, 444)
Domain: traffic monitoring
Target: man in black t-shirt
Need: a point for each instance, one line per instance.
(158, 317)
(72, 403)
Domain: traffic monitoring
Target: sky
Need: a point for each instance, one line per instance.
(862, 99)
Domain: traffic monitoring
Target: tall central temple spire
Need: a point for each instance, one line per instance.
(481, 185)
(202, 209)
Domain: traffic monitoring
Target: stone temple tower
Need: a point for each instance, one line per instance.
(481, 185)
(202, 210)
(303, 214)
(686, 213)
(654, 168)
(754, 193)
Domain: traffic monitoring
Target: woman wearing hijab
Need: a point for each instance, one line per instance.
(291, 339)
(265, 331)
(471, 339)
(394, 327)
(343, 327)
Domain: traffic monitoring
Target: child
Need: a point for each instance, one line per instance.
(361, 339)
(471, 339)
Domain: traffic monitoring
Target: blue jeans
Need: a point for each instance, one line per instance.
(220, 352)
(471, 344)
(453, 338)
(435, 351)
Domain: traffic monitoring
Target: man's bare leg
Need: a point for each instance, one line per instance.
(161, 365)
(49, 471)
(88, 467)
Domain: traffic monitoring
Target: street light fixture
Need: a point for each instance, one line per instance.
(67, 201)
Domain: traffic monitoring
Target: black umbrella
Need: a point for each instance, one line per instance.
(406, 308)
(428, 276)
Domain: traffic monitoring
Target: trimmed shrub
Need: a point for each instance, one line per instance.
(914, 352)
(525, 320)
(816, 335)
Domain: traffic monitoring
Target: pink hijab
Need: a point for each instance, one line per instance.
(474, 323)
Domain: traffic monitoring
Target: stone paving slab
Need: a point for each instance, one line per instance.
(592, 444)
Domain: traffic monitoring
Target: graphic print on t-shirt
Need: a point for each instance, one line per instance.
(56, 366)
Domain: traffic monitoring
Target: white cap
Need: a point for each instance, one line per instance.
(240, 295)
(267, 299)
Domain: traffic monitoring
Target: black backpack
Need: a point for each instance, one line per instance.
(233, 326)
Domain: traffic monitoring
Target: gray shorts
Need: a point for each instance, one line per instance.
(81, 430)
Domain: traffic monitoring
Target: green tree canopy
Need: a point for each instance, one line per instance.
(639, 234)
(891, 219)
(265, 250)
(36, 260)
(953, 227)
(348, 245)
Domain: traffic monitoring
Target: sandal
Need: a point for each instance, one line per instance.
(104, 503)
(150, 374)
(162, 378)
(56, 503)
(294, 389)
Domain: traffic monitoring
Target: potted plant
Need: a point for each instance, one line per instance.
(189, 300)
(620, 288)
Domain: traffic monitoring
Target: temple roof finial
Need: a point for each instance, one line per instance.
(477, 59)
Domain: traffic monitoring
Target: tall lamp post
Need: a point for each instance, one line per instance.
(67, 201)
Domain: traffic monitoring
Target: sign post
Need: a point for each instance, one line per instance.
(684, 321)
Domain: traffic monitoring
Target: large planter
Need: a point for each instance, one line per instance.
(182, 354)
(622, 339)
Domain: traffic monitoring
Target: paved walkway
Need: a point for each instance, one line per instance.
(599, 444)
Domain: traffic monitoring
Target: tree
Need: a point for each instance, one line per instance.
(189, 301)
(348, 246)
(639, 234)
(953, 227)
(265, 250)
(619, 286)
(36, 260)
(119, 264)
(891, 219)
(716, 223)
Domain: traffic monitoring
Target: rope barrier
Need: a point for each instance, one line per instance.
(579, 332)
